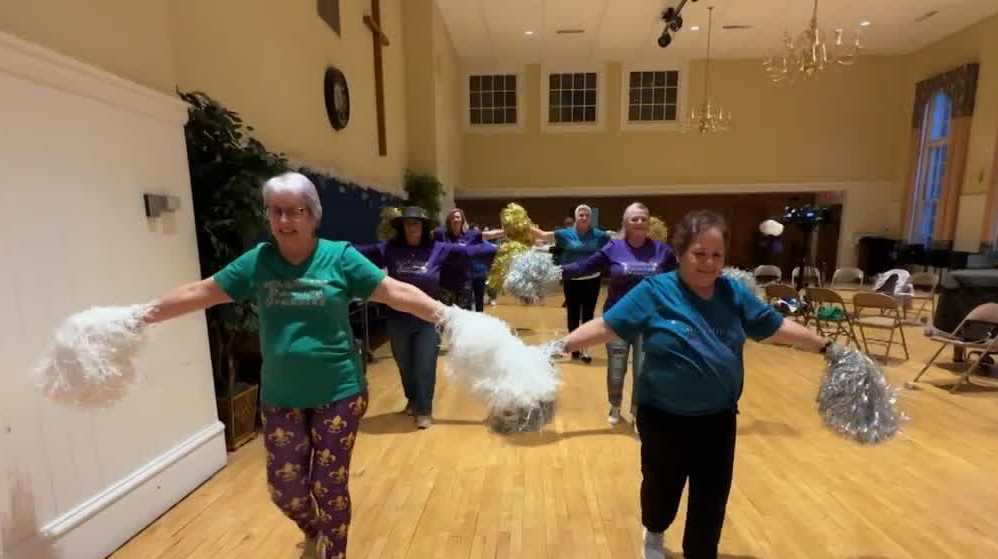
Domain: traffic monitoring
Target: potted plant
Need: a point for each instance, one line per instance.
(424, 191)
(227, 167)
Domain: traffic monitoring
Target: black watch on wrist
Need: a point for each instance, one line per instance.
(828, 344)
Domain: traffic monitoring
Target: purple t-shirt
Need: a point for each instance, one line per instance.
(627, 265)
(484, 252)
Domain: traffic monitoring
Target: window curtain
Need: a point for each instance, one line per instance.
(960, 85)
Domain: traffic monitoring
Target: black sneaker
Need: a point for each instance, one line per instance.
(586, 358)
(576, 355)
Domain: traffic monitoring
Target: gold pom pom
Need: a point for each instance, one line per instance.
(385, 229)
(516, 225)
(657, 229)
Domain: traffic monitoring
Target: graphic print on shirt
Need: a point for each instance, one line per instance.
(639, 269)
(302, 292)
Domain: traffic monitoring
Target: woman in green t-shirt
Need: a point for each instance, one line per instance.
(313, 389)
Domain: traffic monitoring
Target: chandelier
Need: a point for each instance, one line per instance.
(810, 53)
(708, 118)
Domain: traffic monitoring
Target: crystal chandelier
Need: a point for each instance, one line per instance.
(810, 53)
(708, 118)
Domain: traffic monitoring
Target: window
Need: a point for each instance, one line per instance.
(653, 96)
(572, 98)
(931, 169)
(492, 99)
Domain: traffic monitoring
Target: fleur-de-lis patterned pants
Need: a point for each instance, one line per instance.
(308, 467)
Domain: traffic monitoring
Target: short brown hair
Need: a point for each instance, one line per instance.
(693, 224)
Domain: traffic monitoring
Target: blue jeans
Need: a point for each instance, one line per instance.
(616, 369)
(415, 346)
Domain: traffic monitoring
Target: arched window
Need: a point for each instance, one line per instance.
(932, 161)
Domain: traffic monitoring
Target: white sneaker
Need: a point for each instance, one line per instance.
(423, 422)
(654, 545)
(614, 417)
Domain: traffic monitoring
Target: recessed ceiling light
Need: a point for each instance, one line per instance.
(695, 28)
(528, 32)
(864, 23)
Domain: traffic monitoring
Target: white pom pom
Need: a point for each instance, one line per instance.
(89, 362)
(532, 274)
(486, 358)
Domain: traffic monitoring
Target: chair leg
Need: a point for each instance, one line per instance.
(890, 342)
(904, 343)
(929, 364)
(866, 346)
(965, 377)
(852, 334)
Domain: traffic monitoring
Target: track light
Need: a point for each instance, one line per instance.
(673, 22)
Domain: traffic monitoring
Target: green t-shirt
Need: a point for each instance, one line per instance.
(309, 356)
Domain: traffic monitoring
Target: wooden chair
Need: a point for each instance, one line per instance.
(977, 332)
(812, 276)
(777, 291)
(887, 317)
(767, 274)
(924, 284)
(831, 327)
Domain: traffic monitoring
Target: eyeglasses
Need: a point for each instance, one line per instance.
(293, 214)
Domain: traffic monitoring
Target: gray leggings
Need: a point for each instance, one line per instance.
(616, 369)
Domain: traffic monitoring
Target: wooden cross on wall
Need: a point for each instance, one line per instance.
(373, 23)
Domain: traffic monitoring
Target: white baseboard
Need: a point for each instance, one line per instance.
(103, 523)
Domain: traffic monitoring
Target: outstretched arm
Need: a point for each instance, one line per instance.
(187, 298)
(538, 233)
(597, 262)
(591, 333)
(490, 234)
(407, 298)
(792, 333)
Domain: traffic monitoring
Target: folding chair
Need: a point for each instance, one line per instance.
(767, 274)
(847, 278)
(978, 331)
(812, 276)
(841, 326)
(925, 291)
(888, 317)
(781, 291)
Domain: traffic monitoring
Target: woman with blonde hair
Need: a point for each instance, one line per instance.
(628, 259)
(456, 230)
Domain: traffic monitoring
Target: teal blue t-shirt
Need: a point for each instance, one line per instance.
(693, 346)
(577, 247)
(309, 356)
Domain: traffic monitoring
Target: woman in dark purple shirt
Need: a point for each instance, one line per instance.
(629, 259)
(442, 271)
(456, 231)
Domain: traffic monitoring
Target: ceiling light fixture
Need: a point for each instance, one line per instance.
(528, 32)
(811, 51)
(864, 23)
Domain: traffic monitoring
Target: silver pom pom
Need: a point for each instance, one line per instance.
(532, 274)
(855, 399)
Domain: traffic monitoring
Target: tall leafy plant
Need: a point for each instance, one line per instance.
(227, 167)
(424, 191)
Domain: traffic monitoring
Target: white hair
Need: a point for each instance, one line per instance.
(628, 212)
(295, 183)
(581, 207)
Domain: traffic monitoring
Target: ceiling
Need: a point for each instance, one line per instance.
(492, 33)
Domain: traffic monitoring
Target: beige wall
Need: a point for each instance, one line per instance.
(842, 127)
(266, 60)
(128, 38)
(433, 81)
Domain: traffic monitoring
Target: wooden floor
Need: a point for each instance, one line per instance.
(458, 491)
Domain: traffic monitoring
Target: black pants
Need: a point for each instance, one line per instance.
(580, 301)
(675, 448)
(478, 286)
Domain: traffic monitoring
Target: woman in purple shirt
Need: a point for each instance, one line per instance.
(442, 271)
(455, 230)
(629, 259)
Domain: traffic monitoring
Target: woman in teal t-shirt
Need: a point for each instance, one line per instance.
(312, 387)
(694, 323)
(577, 243)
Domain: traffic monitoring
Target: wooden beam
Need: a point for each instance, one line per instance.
(376, 29)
